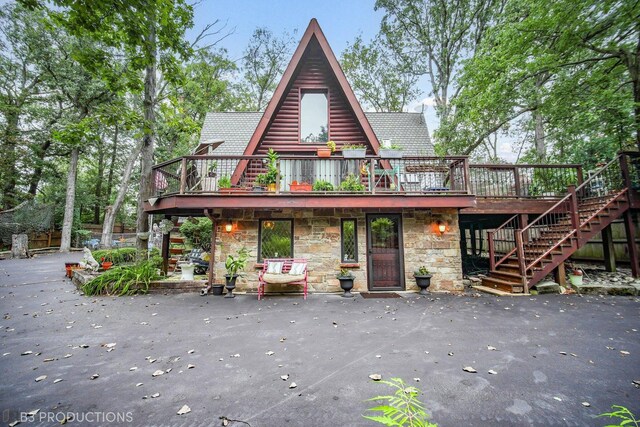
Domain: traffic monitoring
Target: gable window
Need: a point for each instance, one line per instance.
(349, 240)
(275, 238)
(314, 115)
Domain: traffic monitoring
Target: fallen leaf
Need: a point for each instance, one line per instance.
(624, 352)
(94, 376)
(564, 353)
(50, 359)
(84, 346)
(168, 370)
(469, 369)
(40, 378)
(269, 353)
(184, 410)
(157, 373)
(492, 372)
(284, 377)
(14, 423)
(450, 353)
(154, 395)
(66, 356)
(133, 368)
(375, 377)
(557, 398)
(26, 353)
(586, 404)
(57, 380)
(139, 384)
(282, 339)
(491, 348)
(109, 345)
(33, 413)
(190, 366)
(191, 351)
(417, 380)
(293, 385)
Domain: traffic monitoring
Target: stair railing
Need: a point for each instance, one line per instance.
(502, 242)
(562, 220)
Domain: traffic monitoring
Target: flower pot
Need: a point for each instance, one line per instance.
(259, 189)
(301, 187)
(423, 283)
(187, 271)
(69, 267)
(107, 265)
(358, 153)
(217, 289)
(230, 284)
(575, 280)
(388, 153)
(324, 152)
(271, 188)
(346, 283)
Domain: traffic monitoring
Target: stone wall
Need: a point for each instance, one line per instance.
(317, 238)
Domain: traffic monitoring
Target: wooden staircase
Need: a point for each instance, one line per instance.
(521, 255)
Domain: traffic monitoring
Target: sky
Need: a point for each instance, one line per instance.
(341, 21)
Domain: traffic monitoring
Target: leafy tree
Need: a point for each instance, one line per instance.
(565, 66)
(376, 77)
(265, 59)
(432, 37)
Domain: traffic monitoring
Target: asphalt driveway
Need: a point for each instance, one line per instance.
(552, 353)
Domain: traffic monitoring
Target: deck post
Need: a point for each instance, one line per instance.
(165, 249)
(516, 179)
(372, 175)
(212, 253)
(521, 261)
(630, 230)
(560, 274)
(608, 250)
(467, 174)
(472, 232)
(183, 175)
(492, 258)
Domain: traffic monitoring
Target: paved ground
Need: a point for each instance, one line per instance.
(330, 347)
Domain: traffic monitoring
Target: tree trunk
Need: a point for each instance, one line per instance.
(146, 157)
(98, 191)
(9, 162)
(112, 162)
(538, 133)
(110, 212)
(67, 223)
(41, 152)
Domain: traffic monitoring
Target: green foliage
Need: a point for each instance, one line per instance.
(123, 280)
(353, 147)
(224, 182)
(237, 263)
(422, 271)
(345, 274)
(116, 256)
(377, 77)
(197, 231)
(403, 407)
(626, 416)
(352, 183)
(322, 185)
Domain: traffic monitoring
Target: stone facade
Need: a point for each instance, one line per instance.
(316, 235)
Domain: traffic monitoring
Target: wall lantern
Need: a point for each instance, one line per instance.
(442, 227)
(268, 225)
(228, 227)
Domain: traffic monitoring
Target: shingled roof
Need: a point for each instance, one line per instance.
(408, 130)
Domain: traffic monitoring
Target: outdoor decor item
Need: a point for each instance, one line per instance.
(575, 277)
(423, 279)
(88, 261)
(106, 265)
(233, 265)
(346, 282)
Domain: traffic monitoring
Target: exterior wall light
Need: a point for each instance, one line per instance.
(442, 227)
(228, 227)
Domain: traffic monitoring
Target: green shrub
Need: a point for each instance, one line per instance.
(626, 416)
(351, 183)
(322, 185)
(123, 280)
(403, 408)
(197, 231)
(116, 256)
(224, 182)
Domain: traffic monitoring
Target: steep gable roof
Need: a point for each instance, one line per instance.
(313, 32)
(408, 130)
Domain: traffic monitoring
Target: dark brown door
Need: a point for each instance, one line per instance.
(384, 252)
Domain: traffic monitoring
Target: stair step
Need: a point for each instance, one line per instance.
(506, 276)
(502, 285)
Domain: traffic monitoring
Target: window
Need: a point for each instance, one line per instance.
(275, 238)
(314, 116)
(349, 241)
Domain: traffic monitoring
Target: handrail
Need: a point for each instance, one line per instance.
(492, 242)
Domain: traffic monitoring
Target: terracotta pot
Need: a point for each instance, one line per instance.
(301, 187)
(324, 152)
(69, 267)
(106, 265)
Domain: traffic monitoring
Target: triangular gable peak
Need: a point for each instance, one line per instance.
(312, 69)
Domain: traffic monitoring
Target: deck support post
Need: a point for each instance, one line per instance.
(608, 250)
(472, 232)
(560, 274)
(630, 230)
(212, 254)
(165, 249)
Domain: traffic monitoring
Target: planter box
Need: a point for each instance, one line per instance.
(324, 152)
(390, 154)
(359, 153)
(301, 187)
(233, 190)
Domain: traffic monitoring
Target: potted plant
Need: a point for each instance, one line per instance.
(392, 151)
(300, 186)
(212, 170)
(354, 151)
(269, 179)
(233, 265)
(224, 183)
(352, 184)
(423, 279)
(325, 152)
(575, 277)
(346, 282)
(322, 185)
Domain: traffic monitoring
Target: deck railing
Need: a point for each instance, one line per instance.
(334, 175)
(523, 181)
